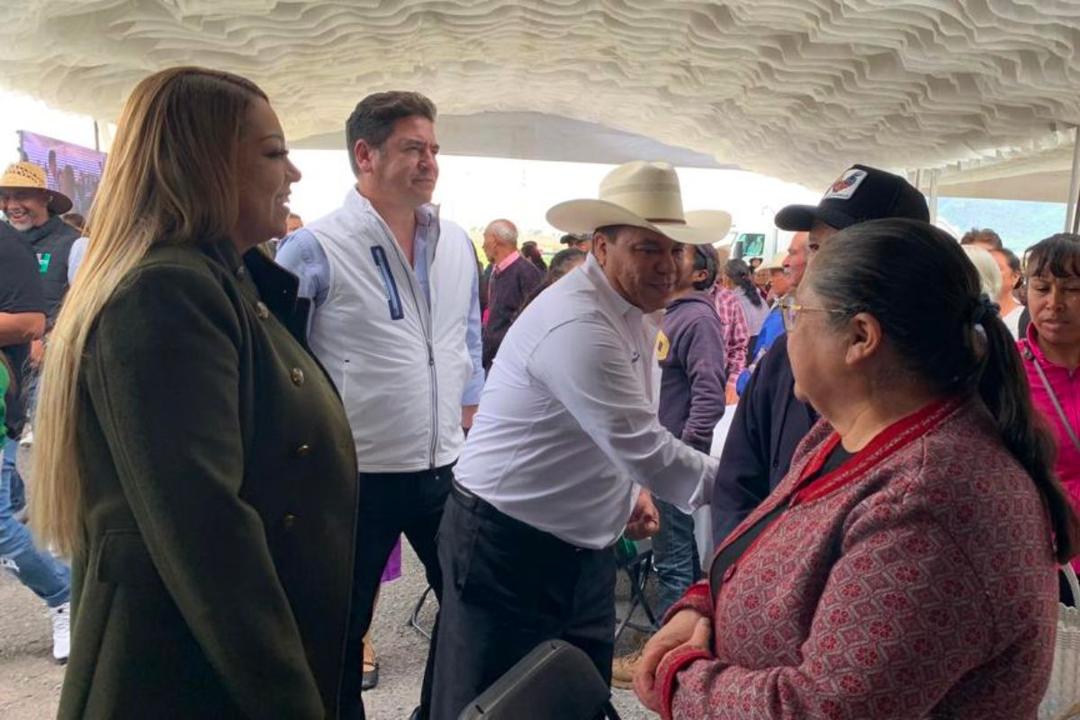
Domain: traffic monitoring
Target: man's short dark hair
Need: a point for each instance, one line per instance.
(611, 232)
(705, 258)
(985, 236)
(374, 117)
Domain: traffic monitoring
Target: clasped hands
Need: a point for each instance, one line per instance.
(687, 629)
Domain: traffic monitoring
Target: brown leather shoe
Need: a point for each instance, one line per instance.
(622, 669)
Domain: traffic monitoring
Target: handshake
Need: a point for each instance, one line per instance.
(644, 521)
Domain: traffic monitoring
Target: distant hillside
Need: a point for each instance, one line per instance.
(1020, 224)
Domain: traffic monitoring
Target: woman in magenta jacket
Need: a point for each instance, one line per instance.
(1051, 350)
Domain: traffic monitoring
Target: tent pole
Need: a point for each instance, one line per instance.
(1071, 216)
(933, 199)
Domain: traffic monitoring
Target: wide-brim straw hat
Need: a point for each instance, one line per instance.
(645, 195)
(28, 176)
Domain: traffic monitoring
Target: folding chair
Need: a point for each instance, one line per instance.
(414, 619)
(556, 681)
(635, 559)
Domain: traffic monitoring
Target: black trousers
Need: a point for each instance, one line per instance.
(391, 504)
(508, 587)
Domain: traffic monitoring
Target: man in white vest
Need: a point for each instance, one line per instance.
(396, 324)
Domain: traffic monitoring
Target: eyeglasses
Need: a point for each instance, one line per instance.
(789, 311)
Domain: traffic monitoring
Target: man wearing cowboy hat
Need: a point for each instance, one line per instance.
(566, 434)
(34, 210)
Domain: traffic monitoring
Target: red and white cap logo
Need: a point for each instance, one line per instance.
(846, 186)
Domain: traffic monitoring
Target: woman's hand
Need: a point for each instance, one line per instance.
(681, 629)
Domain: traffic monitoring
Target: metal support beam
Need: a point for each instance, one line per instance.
(1071, 215)
(932, 196)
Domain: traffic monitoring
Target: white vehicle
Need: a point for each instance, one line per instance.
(757, 242)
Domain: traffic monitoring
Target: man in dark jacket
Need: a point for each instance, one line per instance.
(769, 421)
(513, 278)
(690, 349)
(22, 320)
(34, 210)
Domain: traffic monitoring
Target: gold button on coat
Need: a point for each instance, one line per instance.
(288, 521)
(304, 450)
(297, 376)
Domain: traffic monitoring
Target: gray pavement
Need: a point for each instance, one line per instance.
(30, 681)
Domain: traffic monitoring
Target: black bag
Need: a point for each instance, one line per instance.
(556, 681)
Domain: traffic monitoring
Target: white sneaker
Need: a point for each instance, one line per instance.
(61, 632)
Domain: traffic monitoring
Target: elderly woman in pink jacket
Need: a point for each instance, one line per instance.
(906, 566)
(1051, 350)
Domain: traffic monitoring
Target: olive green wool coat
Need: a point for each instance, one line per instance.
(219, 500)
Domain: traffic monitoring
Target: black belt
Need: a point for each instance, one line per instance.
(476, 504)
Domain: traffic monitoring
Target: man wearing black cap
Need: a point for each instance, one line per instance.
(578, 242)
(769, 421)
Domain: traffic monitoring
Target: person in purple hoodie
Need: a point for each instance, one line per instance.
(690, 349)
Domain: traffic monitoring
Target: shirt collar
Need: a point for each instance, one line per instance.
(50, 226)
(507, 261)
(1031, 339)
(426, 215)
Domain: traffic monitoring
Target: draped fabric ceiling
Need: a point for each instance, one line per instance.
(985, 91)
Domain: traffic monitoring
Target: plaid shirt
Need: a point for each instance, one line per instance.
(736, 331)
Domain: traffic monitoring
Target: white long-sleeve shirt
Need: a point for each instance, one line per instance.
(568, 423)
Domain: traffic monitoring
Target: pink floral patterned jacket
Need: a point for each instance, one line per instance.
(915, 581)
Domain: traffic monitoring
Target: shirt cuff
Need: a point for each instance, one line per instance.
(473, 389)
(697, 598)
(704, 491)
(672, 664)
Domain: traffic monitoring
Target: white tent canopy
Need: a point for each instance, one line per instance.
(539, 136)
(791, 88)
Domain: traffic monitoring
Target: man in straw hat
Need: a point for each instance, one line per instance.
(22, 321)
(35, 211)
(566, 434)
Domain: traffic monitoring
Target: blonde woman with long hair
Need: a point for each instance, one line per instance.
(191, 457)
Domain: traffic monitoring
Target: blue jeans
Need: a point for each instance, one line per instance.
(36, 569)
(17, 490)
(675, 555)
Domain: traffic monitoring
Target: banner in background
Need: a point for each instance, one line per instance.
(71, 169)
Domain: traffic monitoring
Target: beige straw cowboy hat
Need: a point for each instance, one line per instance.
(28, 176)
(646, 195)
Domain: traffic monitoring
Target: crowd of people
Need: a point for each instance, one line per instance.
(231, 432)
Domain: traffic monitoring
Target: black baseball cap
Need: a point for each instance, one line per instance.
(861, 193)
